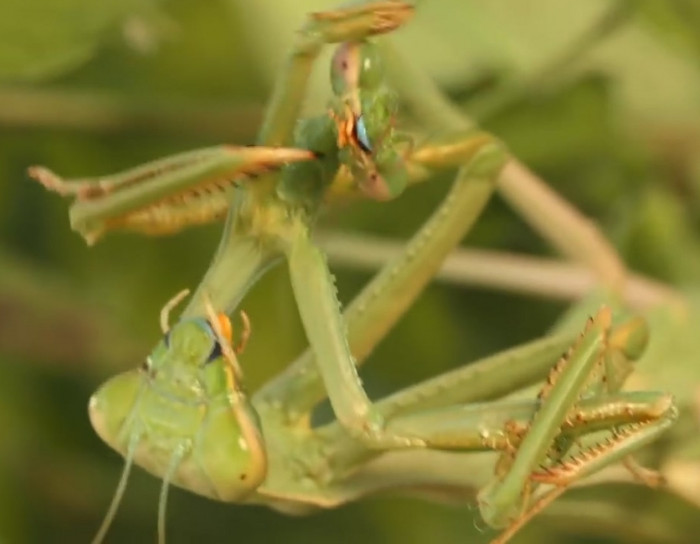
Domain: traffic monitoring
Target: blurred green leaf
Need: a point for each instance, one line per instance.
(675, 21)
(614, 129)
(44, 38)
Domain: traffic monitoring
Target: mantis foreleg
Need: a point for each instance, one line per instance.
(382, 302)
(165, 195)
(501, 425)
(318, 306)
(596, 365)
(501, 501)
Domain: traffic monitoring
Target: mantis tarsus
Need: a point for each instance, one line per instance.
(184, 416)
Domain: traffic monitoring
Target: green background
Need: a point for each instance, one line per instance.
(93, 87)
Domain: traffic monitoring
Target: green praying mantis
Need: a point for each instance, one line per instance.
(184, 414)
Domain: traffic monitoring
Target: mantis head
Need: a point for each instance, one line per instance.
(182, 417)
(364, 111)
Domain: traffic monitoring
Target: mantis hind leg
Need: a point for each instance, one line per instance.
(565, 228)
(437, 411)
(578, 425)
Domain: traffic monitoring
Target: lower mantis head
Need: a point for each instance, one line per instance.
(181, 417)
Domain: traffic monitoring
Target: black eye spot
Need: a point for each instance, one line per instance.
(147, 368)
(216, 350)
(215, 353)
(242, 476)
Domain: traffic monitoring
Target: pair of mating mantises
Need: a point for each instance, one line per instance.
(183, 414)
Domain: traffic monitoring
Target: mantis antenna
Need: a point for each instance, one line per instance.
(167, 308)
(119, 493)
(163, 499)
(245, 333)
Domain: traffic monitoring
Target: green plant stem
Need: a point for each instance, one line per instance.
(537, 276)
(571, 233)
(99, 112)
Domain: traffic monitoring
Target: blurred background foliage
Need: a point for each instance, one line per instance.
(600, 97)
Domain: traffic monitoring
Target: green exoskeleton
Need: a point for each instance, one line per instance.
(183, 415)
(183, 409)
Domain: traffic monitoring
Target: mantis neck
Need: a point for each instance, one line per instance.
(264, 216)
(241, 258)
(256, 233)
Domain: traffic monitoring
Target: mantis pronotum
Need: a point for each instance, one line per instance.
(184, 416)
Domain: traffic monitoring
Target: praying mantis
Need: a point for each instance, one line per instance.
(184, 414)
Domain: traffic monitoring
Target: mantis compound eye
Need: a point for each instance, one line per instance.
(361, 136)
(356, 65)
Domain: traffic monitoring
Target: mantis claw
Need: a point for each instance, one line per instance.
(245, 333)
(649, 477)
(385, 16)
(82, 190)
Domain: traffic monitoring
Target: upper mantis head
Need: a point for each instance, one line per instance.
(364, 111)
(181, 416)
